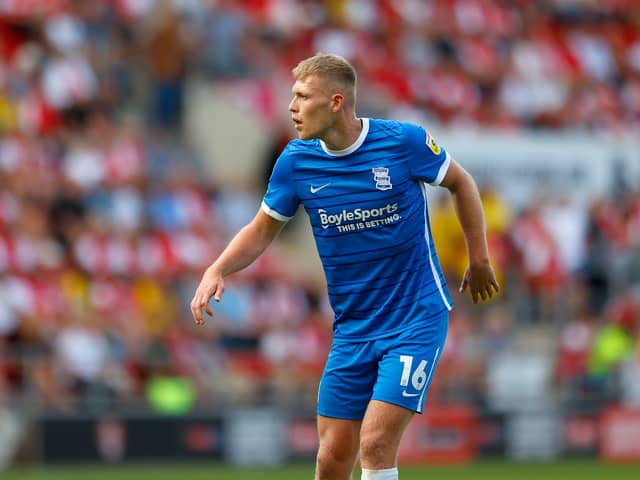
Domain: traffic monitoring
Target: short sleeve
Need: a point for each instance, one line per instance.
(428, 161)
(281, 200)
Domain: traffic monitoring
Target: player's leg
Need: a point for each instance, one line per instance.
(380, 436)
(344, 393)
(339, 441)
(407, 363)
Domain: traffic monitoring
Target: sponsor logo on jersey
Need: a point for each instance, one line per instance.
(382, 178)
(355, 215)
(433, 146)
(359, 218)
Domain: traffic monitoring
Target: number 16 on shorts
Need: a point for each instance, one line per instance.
(416, 376)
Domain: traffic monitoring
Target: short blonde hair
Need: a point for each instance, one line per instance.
(334, 68)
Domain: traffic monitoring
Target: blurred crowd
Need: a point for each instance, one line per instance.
(107, 220)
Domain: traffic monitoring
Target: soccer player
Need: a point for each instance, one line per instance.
(363, 183)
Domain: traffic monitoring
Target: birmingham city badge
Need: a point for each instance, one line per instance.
(382, 178)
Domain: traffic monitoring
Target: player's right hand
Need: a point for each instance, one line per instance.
(211, 285)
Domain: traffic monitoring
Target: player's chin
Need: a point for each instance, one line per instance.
(305, 135)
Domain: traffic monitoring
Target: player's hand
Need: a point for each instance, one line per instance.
(211, 285)
(481, 282)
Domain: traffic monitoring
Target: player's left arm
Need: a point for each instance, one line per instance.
(479, 276)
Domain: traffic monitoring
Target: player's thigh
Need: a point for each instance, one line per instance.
(407, 365)
(348, 380)
(383, 426)
(339, 439)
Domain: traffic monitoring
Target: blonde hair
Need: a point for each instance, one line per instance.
(334, 68)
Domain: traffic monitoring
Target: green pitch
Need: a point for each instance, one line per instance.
(579, 470)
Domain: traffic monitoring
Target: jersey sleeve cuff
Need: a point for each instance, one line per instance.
(443, 170)
(272, 213)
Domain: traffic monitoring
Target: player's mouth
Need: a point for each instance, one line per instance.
(297, 123)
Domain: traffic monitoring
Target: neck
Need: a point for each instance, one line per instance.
(343, 134)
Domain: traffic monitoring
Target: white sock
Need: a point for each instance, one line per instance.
(386, 474)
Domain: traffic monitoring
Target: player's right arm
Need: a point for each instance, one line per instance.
(243, 249)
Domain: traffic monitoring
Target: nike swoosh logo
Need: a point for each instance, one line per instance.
(405, 394)
(317, 189)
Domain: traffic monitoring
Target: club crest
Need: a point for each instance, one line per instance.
(382, 178)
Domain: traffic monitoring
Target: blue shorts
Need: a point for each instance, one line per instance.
(396, 369)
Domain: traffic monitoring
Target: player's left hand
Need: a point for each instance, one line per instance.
(481, 281)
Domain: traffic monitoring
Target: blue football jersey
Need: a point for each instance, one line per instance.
(367, 206)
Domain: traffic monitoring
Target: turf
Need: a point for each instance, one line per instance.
(567, 470)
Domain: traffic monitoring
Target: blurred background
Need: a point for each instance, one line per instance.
(137, 137)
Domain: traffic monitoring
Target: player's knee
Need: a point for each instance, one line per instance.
(332, 463)
(329, 455)
(376, 450)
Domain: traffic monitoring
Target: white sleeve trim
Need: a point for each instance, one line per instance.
(272, 213)
(443, 170)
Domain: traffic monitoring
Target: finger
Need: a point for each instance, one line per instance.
(495, 285)
(207, 308)
(463, 285)
(195, 311)
(200, 302)
(218, 293)
(489, 292)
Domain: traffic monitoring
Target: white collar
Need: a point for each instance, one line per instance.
(353, 147)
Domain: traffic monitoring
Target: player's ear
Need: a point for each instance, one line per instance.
(337, 102)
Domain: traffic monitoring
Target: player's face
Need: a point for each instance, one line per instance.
(311, 107)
